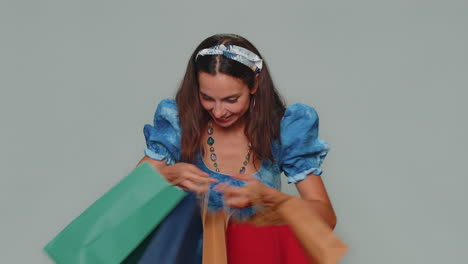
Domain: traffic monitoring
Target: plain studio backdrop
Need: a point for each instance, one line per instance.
(79, 79)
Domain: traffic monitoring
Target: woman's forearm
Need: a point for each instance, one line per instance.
(324, 210)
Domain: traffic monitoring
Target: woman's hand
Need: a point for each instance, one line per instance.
(252, 193)
(184, 175)
(187, 176)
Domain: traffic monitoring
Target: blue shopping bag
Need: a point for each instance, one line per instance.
(176, 240)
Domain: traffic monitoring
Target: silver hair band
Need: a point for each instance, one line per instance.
(236, 53)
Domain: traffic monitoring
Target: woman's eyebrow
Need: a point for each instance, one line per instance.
(227, 97)
(202, 93)
(233, 95)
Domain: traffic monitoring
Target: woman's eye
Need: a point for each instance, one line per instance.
(232, 100)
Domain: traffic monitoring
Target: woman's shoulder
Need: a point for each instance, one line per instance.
(168, 102)
(166, 110)
(299, 122)
(302, 151)
(167, 106)
(163, 137)
(299, 111)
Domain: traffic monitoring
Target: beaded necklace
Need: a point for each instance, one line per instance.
(213, 156)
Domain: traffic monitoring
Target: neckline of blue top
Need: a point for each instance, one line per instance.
(202, 162)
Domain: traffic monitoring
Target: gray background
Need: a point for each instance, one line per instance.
(79, 79)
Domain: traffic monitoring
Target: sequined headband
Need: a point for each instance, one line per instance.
(236, 53)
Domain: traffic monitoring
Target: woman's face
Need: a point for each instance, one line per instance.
(226, 98)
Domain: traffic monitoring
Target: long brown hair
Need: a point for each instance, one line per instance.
(262, 119)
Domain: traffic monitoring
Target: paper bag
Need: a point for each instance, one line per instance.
(114, 225)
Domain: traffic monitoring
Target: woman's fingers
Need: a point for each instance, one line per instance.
(198, 179)
(198, 176)
(181, 172)
(243, 196)
(195, 179)
(221, 187)
(191, 186)
(233, 191)
(192, 168)
(194, 183)
(238, 202)
(235, 196)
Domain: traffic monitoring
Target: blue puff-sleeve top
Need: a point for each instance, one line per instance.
(298, 153)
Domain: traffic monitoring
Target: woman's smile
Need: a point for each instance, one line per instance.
(223, 120)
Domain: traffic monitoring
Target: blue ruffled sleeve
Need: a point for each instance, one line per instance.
(302, 152)
(163, 138)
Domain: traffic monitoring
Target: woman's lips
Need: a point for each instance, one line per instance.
(224, 120)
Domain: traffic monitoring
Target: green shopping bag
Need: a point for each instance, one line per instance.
(113, 226)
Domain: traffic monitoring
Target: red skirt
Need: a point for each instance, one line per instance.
(275, 244)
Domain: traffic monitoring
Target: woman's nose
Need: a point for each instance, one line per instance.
(218, 111)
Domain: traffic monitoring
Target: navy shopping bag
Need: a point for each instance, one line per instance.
(176, 239)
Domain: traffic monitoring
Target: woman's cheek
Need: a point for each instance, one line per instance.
(242, 107)
(206, 105)
(235, 109)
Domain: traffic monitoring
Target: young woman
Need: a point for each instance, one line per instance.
(229, 134)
